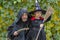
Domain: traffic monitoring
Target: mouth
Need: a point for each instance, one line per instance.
(25, 19)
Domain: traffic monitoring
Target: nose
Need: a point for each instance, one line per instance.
(24, 16)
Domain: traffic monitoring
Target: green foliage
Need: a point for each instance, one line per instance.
(10, 8)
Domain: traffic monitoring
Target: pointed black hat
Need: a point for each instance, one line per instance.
(37, 8)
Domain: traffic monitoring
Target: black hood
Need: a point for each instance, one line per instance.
(20, 13)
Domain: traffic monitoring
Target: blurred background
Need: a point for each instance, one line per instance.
(10, 8)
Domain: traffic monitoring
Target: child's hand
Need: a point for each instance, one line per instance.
(41, 25)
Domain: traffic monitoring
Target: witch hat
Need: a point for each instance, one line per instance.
(37, 8)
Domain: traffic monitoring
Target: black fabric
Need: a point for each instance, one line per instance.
(49, 18)
(34, 30)
(10, 28)
(13, 28)
(32, 12)
(21, 12)
(18, 24)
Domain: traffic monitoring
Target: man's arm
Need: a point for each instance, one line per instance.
(22, 29)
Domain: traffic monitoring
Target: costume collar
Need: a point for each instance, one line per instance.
(33, 18)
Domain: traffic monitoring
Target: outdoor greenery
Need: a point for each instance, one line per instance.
(10, 8)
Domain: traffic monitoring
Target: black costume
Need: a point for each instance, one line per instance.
(35, 28)
(35, 25)
(18, 24)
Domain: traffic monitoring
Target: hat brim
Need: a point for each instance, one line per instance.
(43, 11)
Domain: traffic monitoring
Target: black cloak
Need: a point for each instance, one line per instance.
(18, 24)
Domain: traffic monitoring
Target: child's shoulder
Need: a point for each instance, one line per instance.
(33, 18)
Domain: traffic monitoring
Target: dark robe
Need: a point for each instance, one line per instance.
(18, 24)
(22, 34)
(35, 28)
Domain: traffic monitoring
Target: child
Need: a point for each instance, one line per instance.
(36, 24)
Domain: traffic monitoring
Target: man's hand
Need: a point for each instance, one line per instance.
(15, 33)
(41, 25)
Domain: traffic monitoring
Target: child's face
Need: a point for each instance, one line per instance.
(38, 13)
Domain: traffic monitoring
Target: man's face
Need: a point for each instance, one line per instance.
(24, 17)
(38, 13)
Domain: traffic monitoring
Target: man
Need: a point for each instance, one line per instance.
(21, 23)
